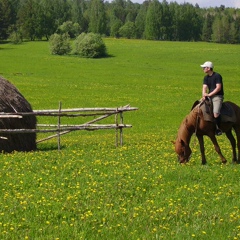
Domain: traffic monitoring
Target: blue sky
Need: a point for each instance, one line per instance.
(205, 3)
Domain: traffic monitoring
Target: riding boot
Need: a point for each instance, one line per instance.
(218, 122)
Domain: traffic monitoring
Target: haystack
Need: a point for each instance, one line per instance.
(12, 101)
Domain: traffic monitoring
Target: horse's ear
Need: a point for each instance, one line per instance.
(195, 104)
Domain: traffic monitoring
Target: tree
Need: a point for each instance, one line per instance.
(175, 10)
(141, 19)
(207, 27)
(72, 29)
(153, 21)
(97, 17)
(235, 29)
(61, 11)
(78, 7)
(116, 15)
(131, 10)
(128, 30)
(48, 23)
(166, 22)
(118, 10)
(5, 18)
(217, 30)
(189, 24)
(233, 33)
(28, 18)
(225, 29)
(115, 27)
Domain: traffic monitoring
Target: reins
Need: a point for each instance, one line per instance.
(197, 119)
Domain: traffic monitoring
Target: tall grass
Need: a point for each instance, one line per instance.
(92, 190)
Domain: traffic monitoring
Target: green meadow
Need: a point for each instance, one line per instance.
(93, 190)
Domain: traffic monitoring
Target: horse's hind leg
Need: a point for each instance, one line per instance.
(237, 131)
(217, 148)
(233, 144)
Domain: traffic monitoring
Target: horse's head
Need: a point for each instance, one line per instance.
(183, 151)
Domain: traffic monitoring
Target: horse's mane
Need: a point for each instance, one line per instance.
(187, 127)
(190, 121)
(195, 104)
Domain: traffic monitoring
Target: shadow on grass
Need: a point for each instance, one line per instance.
(4, 41)
(49, 147)
(3, 49)
(109, 56)
(78, 56)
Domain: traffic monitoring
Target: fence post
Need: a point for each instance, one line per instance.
(116, 122)
(121, 129)
(59, 126)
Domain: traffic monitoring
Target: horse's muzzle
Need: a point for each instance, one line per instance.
(184, 159)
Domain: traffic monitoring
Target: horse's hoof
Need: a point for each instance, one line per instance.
(236, 162)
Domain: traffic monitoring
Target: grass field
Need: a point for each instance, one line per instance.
(92, 190)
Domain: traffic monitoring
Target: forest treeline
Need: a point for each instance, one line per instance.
(153, 20)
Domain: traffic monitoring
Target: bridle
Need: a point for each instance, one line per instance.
(185, 158)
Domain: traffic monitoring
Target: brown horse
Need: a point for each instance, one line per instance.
(194, 122)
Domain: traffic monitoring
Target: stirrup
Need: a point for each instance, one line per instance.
(218, 132)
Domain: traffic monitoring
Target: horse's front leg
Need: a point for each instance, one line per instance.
(202, 149)
(217, 148)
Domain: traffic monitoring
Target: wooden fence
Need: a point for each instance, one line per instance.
(59, 129)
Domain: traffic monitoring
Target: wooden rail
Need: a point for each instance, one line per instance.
(61, 129)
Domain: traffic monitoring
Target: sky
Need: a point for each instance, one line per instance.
(205, 3)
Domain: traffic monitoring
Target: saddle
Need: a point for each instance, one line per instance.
(227, 112)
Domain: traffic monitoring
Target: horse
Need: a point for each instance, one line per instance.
(195, 122)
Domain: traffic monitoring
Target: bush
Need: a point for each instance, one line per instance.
(60, 44)
(90, 45)
(15, 38)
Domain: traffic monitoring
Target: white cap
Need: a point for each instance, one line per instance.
(207, 64)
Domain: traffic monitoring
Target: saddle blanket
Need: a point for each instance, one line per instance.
(227, 113)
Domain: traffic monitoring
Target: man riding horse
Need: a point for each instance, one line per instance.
(213, 88)
(205, 115)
